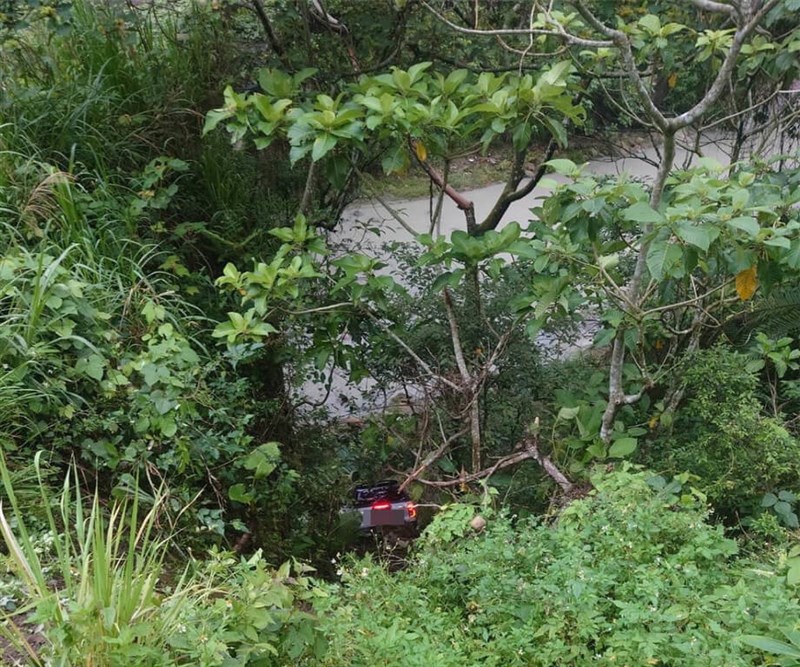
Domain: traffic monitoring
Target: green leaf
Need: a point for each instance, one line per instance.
(262, 329)
(323, 144)
(449, 278)
(623, 447)
(746, 178)
(263, 460)
(271, 449)
(238, 493)
(214, 118)
(415, 71)
(92, 366)
(772, 645)
(557, 129)
(604, 337)
(168, 427)
(748, 224)
(564, 167)
(700, 236)
(642, 212)
(740, 199)
(662, 257)
(651, 23)
(597, 450)
(778, 242)
(769, 500)
(454, 80)
(568, 413)
(336, 171)
(396, 159)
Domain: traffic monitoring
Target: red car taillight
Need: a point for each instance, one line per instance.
(411, 508)
(381, 505)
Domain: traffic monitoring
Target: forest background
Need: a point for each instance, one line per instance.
(595, 406)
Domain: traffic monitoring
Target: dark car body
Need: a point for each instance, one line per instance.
(383, 504)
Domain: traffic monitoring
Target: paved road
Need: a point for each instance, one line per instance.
(353, 233)
(416, 212)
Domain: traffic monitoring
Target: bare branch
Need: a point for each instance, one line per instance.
(621, 41)
(527, 52)
(458, 199)
(689, 302)
(272, 38)
(393, 212)
(468, 385)
(413, 354)
(511, 191)
(530, 450)
(718, 7)
(466, 378)
(431, 458)
(725, 71)
(321, 14)
(504, 462)
(614, 386)
(436, 216)
(562, 34)
(531, 444)
(308, 191)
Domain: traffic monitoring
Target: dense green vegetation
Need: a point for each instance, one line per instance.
(595, 407)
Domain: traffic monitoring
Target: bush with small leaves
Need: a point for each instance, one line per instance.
(623, 576)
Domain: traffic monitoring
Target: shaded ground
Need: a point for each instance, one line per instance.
(10, 656)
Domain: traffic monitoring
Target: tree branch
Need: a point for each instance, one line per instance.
(272, 38)
(621, 41)
(468, 385)
(728, 65)
(530, 447)
(431, 458)
(458, 199)
(718, 7)
(504, 462)
(413, 354)
(510, 192)
(562, 34)
(308, 191)
(392, 211)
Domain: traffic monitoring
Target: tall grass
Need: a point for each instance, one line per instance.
(99, 601)
(70, 285)
(117, 90)
(106, 595)
(126, 86)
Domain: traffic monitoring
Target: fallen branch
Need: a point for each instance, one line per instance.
(504, 462)
(431, 458)
(530, 450)
(531, 445)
